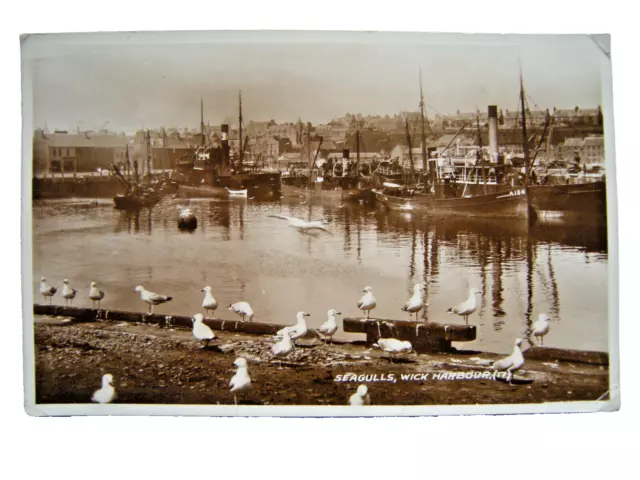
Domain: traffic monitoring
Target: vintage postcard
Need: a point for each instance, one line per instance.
(318, 224)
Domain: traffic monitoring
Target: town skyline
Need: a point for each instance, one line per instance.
(138, 81)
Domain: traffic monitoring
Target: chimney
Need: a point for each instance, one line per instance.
(224, 142)
(493, 132)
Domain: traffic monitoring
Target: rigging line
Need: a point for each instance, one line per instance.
(540, 109)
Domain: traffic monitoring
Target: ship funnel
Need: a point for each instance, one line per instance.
(493, 132)
(224, 143)
(345, 153)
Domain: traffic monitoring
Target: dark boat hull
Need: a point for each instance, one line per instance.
(344, 189)
(586, 202)
(259, 185)
(512, 204)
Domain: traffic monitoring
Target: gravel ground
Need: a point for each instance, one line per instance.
(154, 365)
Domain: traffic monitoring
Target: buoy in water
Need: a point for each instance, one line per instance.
(187, 220)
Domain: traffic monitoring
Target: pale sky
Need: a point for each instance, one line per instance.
(153, 79)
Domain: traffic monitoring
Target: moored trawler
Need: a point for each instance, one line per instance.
(210, 171)
(509, 204)
(340, 181)
(581, 202)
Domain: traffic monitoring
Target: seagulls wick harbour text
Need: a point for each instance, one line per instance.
(421, 377)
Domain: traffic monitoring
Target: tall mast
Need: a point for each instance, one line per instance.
(202, 122)
(410, 152)
(425, 167)
(357, 155)
(240, 157)
(148, 156)
(128, 162)
(525, 146)
(479, 155)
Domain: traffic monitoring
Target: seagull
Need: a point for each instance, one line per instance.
(296, 331)
(209, 303)
(329, 328)
(107, 393)
(511, 363)
(68, 293)
(541, 327)
(202, 331)
(95, 294)
(416, 302)
(284, 346)
(303, 225)
(47, 290)
(393, 345)
(367, 302)
(240, 382)
(361, 397)
(467, 307)
(242, 308)
(151, 298)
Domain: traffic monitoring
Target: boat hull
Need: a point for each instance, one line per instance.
(512, 204)
(585, 202)
(208, 191)
(324, 194)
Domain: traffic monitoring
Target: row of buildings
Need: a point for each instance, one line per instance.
(281, 144)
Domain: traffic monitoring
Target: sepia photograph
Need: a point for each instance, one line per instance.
(280, 223)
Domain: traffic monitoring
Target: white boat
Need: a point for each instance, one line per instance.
(237, 193)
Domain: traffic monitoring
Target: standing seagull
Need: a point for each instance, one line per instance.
(393, 345)
(243, 309)
(541, 327)
(202, 331)
(467, 307)
(68, 293)
(240, 382)
(284, 346)
(107, 393)
(151, 298)
(95, 294)
(47, 290)
(209, 303)
(361, 397)
(367, 302)
(296, 331)
(416, 302)
(329, 328)
(511, 363)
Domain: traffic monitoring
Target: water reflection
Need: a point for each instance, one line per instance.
(245, 254)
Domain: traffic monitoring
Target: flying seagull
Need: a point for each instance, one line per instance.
(304, 225)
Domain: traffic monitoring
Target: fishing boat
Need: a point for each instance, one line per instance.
(210, 171)
(511, 204)
(137, 195)
(442, 193)
(341, 181)
(571, 193)
(579, 202)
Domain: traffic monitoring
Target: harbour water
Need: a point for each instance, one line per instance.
(245, 254)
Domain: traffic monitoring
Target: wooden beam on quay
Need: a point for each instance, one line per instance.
(93, 314)
(428, 337)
